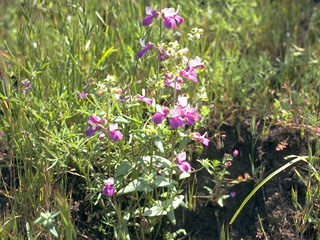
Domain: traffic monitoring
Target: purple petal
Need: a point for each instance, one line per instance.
(155, 13)
(115, 135)
(141, 53)
(205, 141)
(176, 122)
(158, 117)
(94, 119)
(108, 190)
(144, 50)
(91, 130)
(235, 153)
(82, 95)
(169, 22)
(102, 135)
(184, 167)
(189, 73)
(147, 20)
(178, 19)
(189, 119)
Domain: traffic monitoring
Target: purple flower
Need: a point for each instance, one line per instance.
(159, 116)
(145, 48)
(176, 119)
(235, 153)
(183, 165)
(181, 157)
(173, 81)
(94, 119)
(144, 99)
(190, 115)
(196, 63)
(171, 18)
(108, 188)
(82, 95)
(151, 14)
(26, 85)
(163, 55)
(114, 133)
(102, 135)
(91, 130)
(203, 139)
(232, 194)
(95, 123)
(190, 72)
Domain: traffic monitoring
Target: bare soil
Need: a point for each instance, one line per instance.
(273, 203)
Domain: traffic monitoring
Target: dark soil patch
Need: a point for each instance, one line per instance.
(273, 202)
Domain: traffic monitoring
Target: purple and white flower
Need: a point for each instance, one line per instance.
(151, 14)
(171, 18)
(108, 188)
(181, 160)
(145, 48)
(114, 133)
(198, 137)
(149, 101)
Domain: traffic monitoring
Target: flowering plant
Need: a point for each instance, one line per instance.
(146, 163)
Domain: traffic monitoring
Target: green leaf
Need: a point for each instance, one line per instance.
(123, 168)
(136, 185)
(171, 216)
(154, 211)
(119, 119)
(221, 198)
(158, 143)
(178, 201)
(184, 142)
(158, 161)
(52, 230)
(161, 181)
(29, 232)
(105, 55)
(184, 175)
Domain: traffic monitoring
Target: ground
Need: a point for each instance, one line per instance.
(273, 203)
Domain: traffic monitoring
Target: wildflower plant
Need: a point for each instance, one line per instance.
(149, 132)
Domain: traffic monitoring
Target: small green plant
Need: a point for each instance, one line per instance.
(218, 170)
(46, 220)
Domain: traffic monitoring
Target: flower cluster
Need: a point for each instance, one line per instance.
(181, 160)
(181, 110)
(170, 20)
(97, 124)
(170, 17)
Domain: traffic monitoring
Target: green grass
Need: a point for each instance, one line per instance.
(261, 59)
